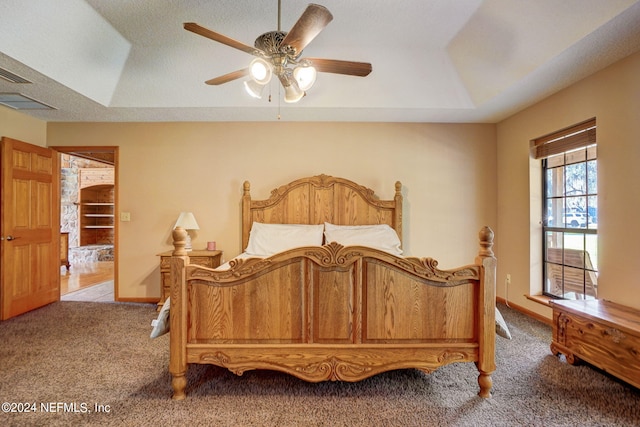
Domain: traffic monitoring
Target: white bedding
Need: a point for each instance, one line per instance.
(379, 236)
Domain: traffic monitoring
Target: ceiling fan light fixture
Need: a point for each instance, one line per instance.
(260, 71)
(292, 93)
(305, 76)
(254, 88)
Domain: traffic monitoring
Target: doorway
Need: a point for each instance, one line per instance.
(88, 206)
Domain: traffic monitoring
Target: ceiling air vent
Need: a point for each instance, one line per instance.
(13, 78)
(18, 101)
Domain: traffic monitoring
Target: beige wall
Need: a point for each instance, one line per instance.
(448, 172)
(455, 178)
(613, 97)
(19, 126)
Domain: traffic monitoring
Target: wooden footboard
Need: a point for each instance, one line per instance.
(332, 313)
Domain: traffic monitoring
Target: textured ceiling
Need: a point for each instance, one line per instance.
(433, 60)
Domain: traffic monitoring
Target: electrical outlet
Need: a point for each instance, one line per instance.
(508, 279)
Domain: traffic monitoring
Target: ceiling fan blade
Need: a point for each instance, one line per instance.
(195, 28)
(308, 26)
(351, 68)
(228, 77)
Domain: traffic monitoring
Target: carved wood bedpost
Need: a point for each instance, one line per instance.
(246, 214)
(178, 322)
(397, 212)
(487, 304)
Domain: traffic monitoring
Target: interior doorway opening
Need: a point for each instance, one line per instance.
(88, 198)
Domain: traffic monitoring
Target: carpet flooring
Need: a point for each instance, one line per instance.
(86, 363)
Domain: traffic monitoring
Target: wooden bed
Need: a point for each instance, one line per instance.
(331, 312)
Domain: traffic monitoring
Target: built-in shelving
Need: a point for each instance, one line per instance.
(97, 208)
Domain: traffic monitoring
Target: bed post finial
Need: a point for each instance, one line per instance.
(397, 211)
(486, 241)
(247, 220)
(179, 241)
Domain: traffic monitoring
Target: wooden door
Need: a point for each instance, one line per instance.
(30, 225)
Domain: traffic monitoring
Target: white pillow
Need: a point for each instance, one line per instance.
(379, 236)
(161, 324)
(269, 239)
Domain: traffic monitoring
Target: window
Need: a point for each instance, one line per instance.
(570, 212)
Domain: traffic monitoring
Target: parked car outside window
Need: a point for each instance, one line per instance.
(575, 219)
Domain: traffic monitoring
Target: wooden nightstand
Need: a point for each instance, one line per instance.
(203, 258)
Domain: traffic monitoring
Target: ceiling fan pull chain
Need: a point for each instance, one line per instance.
(279, 102)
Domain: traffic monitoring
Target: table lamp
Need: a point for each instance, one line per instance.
(187, 221)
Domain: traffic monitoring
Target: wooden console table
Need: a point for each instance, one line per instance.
(602, 333)
(203, 258)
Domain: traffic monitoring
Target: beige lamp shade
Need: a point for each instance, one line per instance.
(187, 221)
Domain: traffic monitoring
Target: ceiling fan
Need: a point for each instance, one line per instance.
(278, 52)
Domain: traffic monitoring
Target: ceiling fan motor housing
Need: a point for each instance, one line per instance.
(271, 44)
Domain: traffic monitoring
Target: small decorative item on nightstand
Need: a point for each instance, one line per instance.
(204, 258)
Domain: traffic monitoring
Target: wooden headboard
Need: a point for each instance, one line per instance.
(320, 199)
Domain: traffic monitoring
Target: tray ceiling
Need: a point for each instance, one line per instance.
(433, 60)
